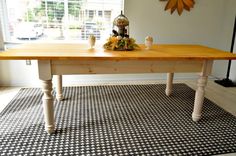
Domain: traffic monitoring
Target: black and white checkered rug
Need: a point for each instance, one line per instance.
(116, 120)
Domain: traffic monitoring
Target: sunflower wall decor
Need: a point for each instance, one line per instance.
(179, 5)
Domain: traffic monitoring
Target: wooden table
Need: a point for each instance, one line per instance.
(68, 59)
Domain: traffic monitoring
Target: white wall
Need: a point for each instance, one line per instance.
(1, 37)
(225, 37)
(18, 74)
(209, 23)
(200, 26)
(232, 75)
(231, 13)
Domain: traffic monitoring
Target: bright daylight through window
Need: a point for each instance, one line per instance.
(58, 20)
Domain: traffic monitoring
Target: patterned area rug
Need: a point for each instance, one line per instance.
(116, 120)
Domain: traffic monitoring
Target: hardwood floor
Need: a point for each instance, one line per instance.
(223, 97)
(6, 95)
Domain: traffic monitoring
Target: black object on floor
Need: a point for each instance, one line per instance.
(227, 82)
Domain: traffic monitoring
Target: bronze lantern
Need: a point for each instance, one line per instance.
(121, 26)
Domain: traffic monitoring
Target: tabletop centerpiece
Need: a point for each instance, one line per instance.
(120, 39)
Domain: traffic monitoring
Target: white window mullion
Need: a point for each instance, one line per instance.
(66, 16)
(1, 37)
(46, 12)
(4, 34)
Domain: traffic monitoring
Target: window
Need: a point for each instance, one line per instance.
(107, 15)
(100, 13)
(58, 20)
(91, 14)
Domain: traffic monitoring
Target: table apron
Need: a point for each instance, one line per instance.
(70, 67)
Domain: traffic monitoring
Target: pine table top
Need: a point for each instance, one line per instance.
(61, 51)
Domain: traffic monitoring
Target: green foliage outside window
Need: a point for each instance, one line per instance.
(53, 11)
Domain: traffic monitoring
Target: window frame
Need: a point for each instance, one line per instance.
(4, 32)
(5, 35)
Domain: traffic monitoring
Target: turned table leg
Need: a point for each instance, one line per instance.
(169, 83)
(199, 98)
(45, 75)
(199, 95)
(59, 94)
(48, 106)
